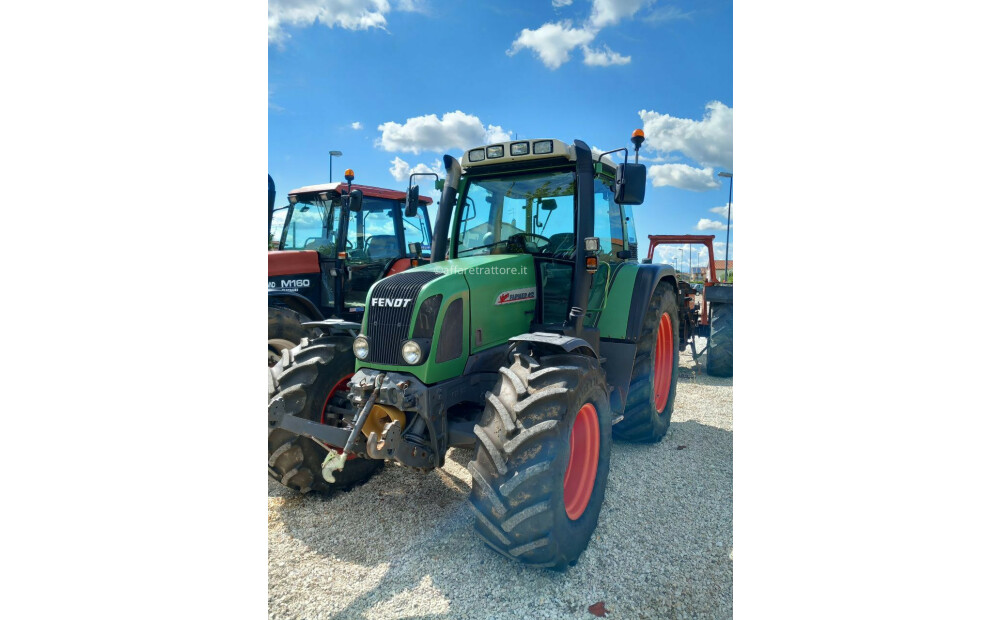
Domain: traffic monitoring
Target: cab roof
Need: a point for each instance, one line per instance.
(558, 148)
(366, 191)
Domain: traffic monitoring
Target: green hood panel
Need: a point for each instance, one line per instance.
(498, 299)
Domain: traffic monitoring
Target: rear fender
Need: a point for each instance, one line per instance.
(646, 279)
(336, 327)
(294, 301)
(555, 341)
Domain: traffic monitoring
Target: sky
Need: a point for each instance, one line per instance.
(396, 84)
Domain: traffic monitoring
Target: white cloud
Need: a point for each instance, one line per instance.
(454, 130)
(610, 12)
(603, 58)
(708, 141)
(667, 14)
(561, 3)
(347, 14)
(357, 125)
(682, 176)
(707, 224)
(412, 6)
(495, 133)
(552, 42)
(401, 170)
(722, 211)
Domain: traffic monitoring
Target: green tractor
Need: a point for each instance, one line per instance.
(534, 336)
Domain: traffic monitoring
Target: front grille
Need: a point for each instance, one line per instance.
(387, 325)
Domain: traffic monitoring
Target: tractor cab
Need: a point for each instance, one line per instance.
(523, 203)
(333, 241)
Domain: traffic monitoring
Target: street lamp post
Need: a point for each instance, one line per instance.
(332, 155)
(729, 216)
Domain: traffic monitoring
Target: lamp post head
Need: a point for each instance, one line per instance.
(335, 153)
(727, 175)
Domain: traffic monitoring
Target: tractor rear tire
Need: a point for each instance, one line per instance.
(653, 386)
(284, 331)
(540, 467)
(720, 341)
(304, 380)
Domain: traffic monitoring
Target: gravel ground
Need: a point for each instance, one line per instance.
(401, 545)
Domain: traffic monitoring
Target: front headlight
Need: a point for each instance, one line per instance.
(411, 352)
(361, 347)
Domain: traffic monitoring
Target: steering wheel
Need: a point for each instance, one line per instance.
(518, 244)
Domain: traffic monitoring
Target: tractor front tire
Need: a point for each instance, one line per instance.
(305, 380)
(653, 386)
(541, 462)
(720, 341)
(284, 331)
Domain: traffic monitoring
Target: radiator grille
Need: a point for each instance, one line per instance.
(387, 325)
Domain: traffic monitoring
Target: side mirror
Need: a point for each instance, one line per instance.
(630, 184)
(353, 200)
(412, 201)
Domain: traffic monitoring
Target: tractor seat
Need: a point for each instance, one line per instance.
(382, 247)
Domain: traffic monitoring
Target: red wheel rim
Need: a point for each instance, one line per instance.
(584, 452)
(340, 387)
(663, 363)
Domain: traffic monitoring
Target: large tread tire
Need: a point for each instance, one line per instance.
(284, 331)
(720, 341)
(303, 380)
(642, 422)
(522, 453)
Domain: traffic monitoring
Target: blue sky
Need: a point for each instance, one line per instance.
(396, 84)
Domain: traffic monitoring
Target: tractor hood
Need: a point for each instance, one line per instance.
(292, 262)
(452, 309)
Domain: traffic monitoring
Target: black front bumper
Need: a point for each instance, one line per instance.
(404, 392)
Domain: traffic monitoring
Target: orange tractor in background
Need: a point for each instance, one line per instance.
(712, 317)
(331, 243)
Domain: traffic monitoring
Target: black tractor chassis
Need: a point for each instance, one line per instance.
(429, 433)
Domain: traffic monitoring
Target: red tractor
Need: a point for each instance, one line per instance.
(712, 318)
(334, 241)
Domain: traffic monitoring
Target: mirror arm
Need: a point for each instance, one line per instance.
(614, 151)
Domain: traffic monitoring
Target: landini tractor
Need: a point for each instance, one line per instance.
(334, 242)
(713, 317)
(534, 336)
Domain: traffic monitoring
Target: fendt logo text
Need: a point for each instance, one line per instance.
(392, 303)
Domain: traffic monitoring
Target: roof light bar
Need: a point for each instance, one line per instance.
(542, 147)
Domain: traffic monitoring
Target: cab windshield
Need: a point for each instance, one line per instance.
(311, 225)
(518, 214)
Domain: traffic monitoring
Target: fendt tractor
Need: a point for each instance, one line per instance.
(333, 243)
(533, 336)
(712, 318)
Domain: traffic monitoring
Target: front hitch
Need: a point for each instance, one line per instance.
(334, 461)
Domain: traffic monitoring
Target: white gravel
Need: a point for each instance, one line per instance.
(401, 545)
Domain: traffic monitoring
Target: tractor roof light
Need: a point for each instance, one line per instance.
(518, 151)
(349, 174)
(542, 147)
